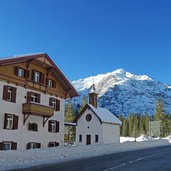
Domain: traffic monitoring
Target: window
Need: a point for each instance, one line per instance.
(55, 103)
(32, 145)
(20, 72)
(9, 97)
(53, 126)
(8, 145)
(37, 77)
(53, 144)
(96, 138)
(88, 117)
(33, 127)
(80, 138)
(50, 83)
(9, 94)
(33, 97)
(10, 121)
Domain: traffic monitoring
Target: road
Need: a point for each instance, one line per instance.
(151, 159)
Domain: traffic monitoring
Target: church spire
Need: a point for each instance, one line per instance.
(93, 96)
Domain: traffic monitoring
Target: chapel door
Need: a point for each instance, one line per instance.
(88, 139)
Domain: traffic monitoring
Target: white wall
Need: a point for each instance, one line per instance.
(111, 133)
(94, 125)
(22, 135)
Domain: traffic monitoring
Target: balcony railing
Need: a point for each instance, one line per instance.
(37, 109)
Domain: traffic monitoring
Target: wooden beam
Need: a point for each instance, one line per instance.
(26, 116)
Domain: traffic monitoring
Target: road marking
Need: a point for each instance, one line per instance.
(139, 159)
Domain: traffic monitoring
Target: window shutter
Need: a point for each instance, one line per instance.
(28, 145)
(53, 84)
(56, 144)
(29, 126)
(57, 126)
(33, 74)
(50, 144)
(50, 101)
(47, 80)
(29, 93)
(5, 121)
(14, 146)
(5, 93)
(16, 70)
(57, 105)
(15, 123)
(14, 92)
(42, 78)
(26, 73)
(38, 98)
(1, 146)
(38, 145)
(49, 126)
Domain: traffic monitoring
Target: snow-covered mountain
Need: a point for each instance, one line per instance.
(123, 93)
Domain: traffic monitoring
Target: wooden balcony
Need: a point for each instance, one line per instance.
(37, 109)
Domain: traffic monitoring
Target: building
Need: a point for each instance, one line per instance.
(96, 125)
(32, 95)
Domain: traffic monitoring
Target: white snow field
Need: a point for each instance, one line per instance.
(27, 158)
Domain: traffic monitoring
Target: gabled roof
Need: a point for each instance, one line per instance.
(102, 114)
(46, 60)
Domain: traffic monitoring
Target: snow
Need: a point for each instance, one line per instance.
(27, 158)
(138, 139)
(18, 56)
(124, 93)
(105, 115)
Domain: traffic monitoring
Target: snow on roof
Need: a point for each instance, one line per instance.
(18, 56)
(70, 124)
(93, 89)
(105, 115)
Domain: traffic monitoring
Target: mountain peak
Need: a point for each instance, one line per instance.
(123, 92)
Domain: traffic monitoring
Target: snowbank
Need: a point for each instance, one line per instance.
(26, 158)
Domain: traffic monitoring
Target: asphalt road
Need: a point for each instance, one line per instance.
(151, 159)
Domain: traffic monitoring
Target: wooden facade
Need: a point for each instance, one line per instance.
(41, 63)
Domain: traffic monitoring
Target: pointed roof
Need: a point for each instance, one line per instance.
(47, 61)
(104, 115)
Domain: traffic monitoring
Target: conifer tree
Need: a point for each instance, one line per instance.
(130, 123)
(69, 112)
(161, 116)
(84, 102)
(159, 111)
(125, 127)
(146, 122)
(69, 117)
(135, 127)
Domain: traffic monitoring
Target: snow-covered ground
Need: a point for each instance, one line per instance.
(26, 158)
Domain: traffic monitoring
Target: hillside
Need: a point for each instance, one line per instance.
(123, 92)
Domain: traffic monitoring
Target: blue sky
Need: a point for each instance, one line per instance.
(91, 36)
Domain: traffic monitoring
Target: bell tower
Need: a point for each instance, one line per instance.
(93, 96)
